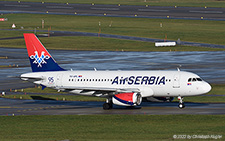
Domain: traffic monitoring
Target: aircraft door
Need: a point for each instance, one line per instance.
(176, 81)
(59, 80)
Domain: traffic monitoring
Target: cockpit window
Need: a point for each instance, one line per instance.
(189, 80)
(199, 79)
(194, 79)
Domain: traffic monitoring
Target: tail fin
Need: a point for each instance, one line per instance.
(40, 59)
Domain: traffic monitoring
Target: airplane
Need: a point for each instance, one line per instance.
(124, 88)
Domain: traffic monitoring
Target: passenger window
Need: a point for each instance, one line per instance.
(189, 80)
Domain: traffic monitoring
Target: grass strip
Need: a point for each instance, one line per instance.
(110, 127)
(186, 30)
(101, 44)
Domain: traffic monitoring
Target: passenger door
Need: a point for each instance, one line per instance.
(176, 81)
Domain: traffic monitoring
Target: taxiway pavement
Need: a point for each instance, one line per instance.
(14, 107)
(145, 11)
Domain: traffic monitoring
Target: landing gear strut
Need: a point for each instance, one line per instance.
(108, 104)
(181, 104)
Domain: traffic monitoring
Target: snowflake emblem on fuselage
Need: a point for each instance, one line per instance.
(39, 60)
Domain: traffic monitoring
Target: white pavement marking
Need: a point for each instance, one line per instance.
(109, 9)
(59, 7)
(207, 12)
(152, 10)
(17, 5)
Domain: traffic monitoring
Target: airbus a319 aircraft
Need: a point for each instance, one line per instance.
(126, 88)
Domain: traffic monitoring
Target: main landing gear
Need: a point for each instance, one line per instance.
(181, 104)
(108, 104)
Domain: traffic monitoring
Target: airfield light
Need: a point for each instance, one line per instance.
(13, 26)
(110, 24)
(3, 93)
(43, 23)
(3, 19)
(161, 25)
(99, 24)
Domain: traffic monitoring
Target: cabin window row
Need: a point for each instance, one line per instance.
(97, 80)
(92, 80)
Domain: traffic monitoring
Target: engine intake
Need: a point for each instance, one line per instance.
(127, 99)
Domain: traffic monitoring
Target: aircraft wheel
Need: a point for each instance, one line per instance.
(181, 105)
(106, 106)
(110, 105)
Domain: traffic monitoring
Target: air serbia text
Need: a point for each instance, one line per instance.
(139, 80)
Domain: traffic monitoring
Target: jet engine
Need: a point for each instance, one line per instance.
(127, 99)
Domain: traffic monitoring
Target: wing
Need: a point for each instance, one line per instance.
(99, 91)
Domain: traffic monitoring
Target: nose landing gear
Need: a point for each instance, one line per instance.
(181, 104)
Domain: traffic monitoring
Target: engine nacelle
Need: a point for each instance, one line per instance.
(127, 99)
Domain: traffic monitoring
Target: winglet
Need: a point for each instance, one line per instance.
(40, 58)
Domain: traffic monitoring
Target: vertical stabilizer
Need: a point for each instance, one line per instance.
(40, 59)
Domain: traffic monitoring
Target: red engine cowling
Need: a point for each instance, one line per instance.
(127, 99)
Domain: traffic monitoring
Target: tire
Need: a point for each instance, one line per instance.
(106, 106)
(181, 105)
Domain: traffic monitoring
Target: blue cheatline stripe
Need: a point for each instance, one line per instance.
(123, 101)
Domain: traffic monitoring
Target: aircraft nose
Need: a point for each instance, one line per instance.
(206, 87)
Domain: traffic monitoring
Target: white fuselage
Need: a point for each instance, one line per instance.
(148, 83)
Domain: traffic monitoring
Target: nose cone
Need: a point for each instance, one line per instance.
(206, 87)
